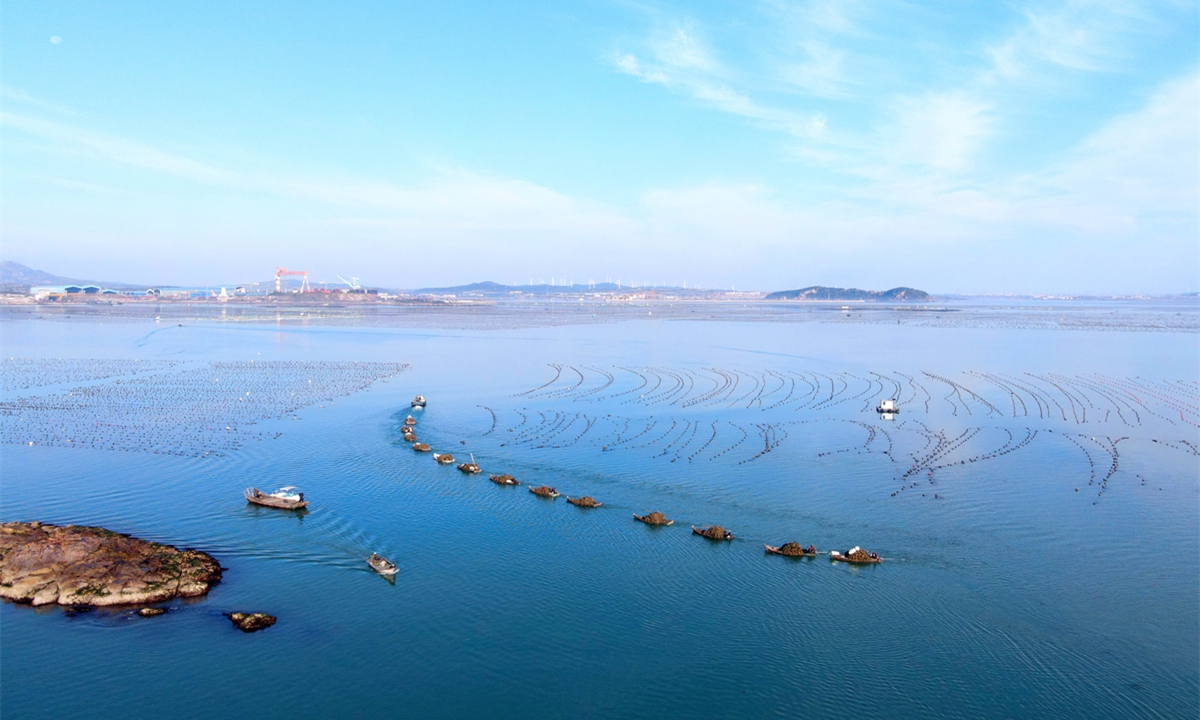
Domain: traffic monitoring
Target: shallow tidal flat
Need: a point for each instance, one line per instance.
(1034, 501)
(1174, 315)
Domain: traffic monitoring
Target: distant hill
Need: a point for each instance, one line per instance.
(14, 273)
(818, 292)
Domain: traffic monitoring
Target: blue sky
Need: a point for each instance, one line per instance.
(955, 147)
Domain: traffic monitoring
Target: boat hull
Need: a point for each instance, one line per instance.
(256, 498)
(838, 557)
(698, 531)
(778, 551)
(642, 519)
(385, 570)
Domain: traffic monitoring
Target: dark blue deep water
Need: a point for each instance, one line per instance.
(1005, 592)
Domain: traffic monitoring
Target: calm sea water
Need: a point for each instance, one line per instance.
(1005, 592)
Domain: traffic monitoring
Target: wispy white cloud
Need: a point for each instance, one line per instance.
(807, 52)
(1135, 176)
(940, 130)
(81, 140)
(822, 73)
(452, 207)
(682, 62)
(1085, 35)
(682, 49)
(21, 97)
(1139, 167)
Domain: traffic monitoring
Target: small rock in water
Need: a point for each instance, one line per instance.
(151, 611)
(251, 622)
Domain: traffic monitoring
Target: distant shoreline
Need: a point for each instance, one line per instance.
(1180, 315)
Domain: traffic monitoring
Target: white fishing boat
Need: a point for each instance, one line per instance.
(887, 407)
(418, 402)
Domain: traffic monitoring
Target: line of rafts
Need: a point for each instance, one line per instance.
(854, 556)
(290, 498)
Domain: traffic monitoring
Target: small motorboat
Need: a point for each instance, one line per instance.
(418, 402)
(888, 407)
(587, 501)
(285, 498)
(544, 491)
(505, 479)
(791, 549)
(421, 447)
(410, 421)
(381, 565)
(470, 468)
(443, 458)
(855, 556)
(654, 518)
(713, 532)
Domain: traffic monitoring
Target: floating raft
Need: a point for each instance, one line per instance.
(854, 556)
(654, 518)
(713, 532)
(791, 549)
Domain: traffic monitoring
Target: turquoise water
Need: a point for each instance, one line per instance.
(1008, 594)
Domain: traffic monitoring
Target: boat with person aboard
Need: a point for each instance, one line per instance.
(418, 403)
(855, 556)
(382, 565)
(285, 498)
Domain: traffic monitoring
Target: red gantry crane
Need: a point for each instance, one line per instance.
(281, 272)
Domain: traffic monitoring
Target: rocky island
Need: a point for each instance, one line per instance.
(74, 565)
